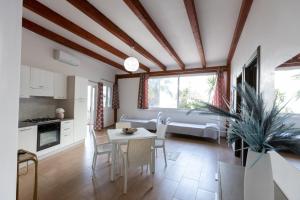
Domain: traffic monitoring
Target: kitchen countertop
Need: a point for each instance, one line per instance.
(27, 124)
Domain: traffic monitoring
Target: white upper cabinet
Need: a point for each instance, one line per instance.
(25, 82)
(60, 86)
(41, 83)
(81, 85)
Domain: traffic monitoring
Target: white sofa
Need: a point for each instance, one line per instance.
(208, 130)
(149, 124)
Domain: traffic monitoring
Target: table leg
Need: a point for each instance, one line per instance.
(153, 158)
(113, 162)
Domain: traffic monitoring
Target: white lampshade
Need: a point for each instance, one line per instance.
(131, 64)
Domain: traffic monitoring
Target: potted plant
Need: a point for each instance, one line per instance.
(263, 129)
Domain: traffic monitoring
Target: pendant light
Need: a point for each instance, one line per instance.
(131, 63)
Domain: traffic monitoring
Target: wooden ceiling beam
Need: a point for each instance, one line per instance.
(192, 15)
(59, 20)
(177, 72)
(138, 9)
(105, 22)
(244, 11)
(293, 62)
(68, 43)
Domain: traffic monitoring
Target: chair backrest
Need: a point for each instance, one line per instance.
(139, 152)
(123, 116)
(123, 125)
(161, 131)
(93, 136)
(159, 119)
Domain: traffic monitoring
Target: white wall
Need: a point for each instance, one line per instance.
(37, 52)
(10, 54)
(128, 95)
(275, 25)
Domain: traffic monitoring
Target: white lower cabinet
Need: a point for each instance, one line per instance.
(27, 138)
(67, 132)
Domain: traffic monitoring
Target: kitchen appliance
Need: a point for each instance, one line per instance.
(48, 135)
(60, 113)
(41, 120)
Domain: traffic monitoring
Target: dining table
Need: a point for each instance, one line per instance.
(117, 137)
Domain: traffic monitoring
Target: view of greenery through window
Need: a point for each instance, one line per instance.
(287, 85)
(183, 92)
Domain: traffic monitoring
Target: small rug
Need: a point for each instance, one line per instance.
(173, 155)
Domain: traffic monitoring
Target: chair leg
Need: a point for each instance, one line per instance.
(165, 155)
(108, 157)
(125, 176)
(94, 161)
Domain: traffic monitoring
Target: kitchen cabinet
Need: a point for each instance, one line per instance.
(80, 119)
(60, 86)
(25, 81)
(81, 85)
(27, 138)
(67, 132)
(41, 82)
(77, 97)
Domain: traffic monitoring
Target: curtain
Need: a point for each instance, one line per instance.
(143, 92)
(99, 114)
(220, 92)
(115, 98)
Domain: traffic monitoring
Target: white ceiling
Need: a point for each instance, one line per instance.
(217, 20)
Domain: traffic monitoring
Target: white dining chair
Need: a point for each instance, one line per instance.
(120, 125)
(160, 140)
(99, 149)
(137, 154)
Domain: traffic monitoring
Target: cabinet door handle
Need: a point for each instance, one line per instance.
(25, 129)
(65, 129)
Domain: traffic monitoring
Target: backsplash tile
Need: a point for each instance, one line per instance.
(35, 107)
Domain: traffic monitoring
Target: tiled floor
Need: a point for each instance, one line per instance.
(68, 175)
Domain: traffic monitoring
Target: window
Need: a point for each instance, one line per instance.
(287, 86)
(107, 99)
(183, 92)
(163, 92)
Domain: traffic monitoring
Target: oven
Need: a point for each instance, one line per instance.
(48, 135)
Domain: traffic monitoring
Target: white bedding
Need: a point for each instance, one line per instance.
(137, 123)
(209, 130)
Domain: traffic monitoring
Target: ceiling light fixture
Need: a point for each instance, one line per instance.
(131, 64)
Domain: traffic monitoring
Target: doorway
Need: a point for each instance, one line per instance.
(251, 76)
(238, 102)
(91, 103)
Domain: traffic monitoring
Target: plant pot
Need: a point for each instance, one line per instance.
(258, 180)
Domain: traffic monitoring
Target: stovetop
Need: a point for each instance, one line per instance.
(40, 120)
